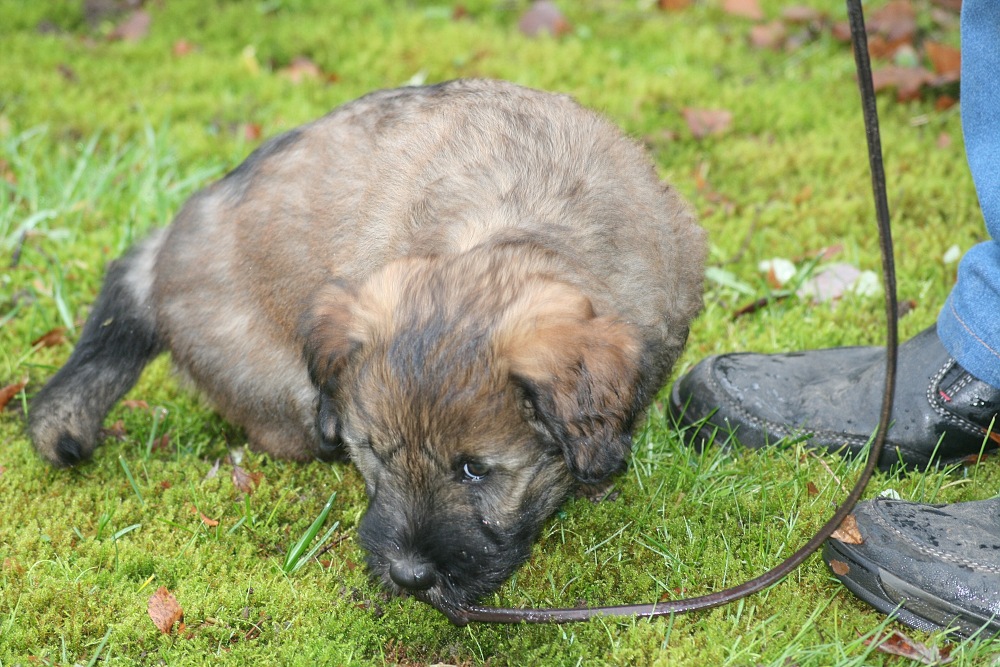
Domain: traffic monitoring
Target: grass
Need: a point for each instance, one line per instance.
(101, 141)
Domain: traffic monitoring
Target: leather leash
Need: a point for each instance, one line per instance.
(463, 616)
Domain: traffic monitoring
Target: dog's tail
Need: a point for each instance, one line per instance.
(118, 340)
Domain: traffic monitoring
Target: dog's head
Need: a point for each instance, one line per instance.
(471, 400)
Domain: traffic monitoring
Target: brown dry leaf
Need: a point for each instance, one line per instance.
(116, 431)
(300, 69)
(247, 482)
(839, 567)
(674, 5)
(896, 22)
(802, 14)
(182, 47)
(769, 35)
(252, 131)
(896, 643)
(848, 532)
(812, 489)
(212, 523)
(944, 59)
(165, 610)
(10, 391)
(543, 16)
(51, 338)
(706, 122)
(133, 28)
(135, 405)
(749, 9)
(944, 103)
(906, 80)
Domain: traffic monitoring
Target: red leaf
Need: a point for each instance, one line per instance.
(544, 16)
(165, 611)
(749, 9)
(134, 28)
(705, 122)
(10, 391)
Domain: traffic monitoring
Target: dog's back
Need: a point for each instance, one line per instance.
(423, 171)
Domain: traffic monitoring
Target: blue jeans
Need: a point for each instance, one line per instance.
(969, 323)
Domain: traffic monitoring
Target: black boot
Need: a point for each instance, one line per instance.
(832, 399)
(934, 567)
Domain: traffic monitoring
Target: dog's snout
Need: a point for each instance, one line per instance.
(412, 574)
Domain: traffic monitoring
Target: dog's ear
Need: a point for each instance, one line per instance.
(329, 331)
(580, 373)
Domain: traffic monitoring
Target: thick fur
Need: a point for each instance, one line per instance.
(474, 287)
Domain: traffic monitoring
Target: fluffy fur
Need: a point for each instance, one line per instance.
(474, 287)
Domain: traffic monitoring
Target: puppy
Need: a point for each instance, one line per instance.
(475, 288)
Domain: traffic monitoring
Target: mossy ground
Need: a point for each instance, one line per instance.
(101, 140)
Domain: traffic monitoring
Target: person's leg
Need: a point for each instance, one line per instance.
(969, 325)
(937, 566)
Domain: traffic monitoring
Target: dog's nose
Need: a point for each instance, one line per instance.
(412, 574)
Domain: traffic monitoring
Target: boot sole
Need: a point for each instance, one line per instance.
(902, 600)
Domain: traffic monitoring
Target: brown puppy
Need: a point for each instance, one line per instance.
(476, 287)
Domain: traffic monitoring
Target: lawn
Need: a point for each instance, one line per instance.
(107, 125)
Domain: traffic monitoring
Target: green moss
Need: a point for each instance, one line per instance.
(101, 141)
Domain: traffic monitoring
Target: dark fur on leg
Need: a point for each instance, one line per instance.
(117, 342)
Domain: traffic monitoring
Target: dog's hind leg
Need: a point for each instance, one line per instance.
(118, 340)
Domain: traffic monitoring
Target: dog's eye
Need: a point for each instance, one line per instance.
(475, 472)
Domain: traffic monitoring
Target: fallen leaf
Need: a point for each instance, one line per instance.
(906, 80)
(214, 470)
(51, 338)
(768, 35)
(252, 131)
(896, 643)
(944, 103)
(165, 610)
(943, 58)
(135, 405)
(116, 431)
(247, 482)
(839, 567)
(67, 73)
(204, 519)
(182, 47)
(674, 5)
(706, 122)
(905, 307)
(10, 391)
(830, 284)
(812, 489)
(300, 69)
(848, 532)
(749, 9)
(133, 28)
(543, 16)
(459, 12)
(802, 14)
(896, 21)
